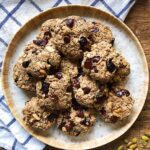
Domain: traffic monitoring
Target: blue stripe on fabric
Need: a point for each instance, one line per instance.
(13, 18)
(1, 64)
(2, 98)
(108, 7)
(14, 144)
(125, 8)
(3, 42)
(35, 5)
(67, 2)
(3, 128)
(4, 105)
(11, 122)
(11, 13)
(95, 2)
(27, 140)
(57, 3)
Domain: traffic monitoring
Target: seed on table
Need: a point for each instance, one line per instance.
(143, 142)
(133, 146)
(134, 140)
(121, 147)
(129, 143)
(145, 138)
(126, 141)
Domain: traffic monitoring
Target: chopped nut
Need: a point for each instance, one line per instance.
(121, 147)
(36, 116)
(49, 48)
(145, 138)
(39, 85)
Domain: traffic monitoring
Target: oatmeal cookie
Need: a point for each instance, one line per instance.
(88, 92)
(55, 90)
(98, 33)
(37, 117)
(38, 62)
(71, 38)
(75, 122)
(69, 68)
(102, 64)
(118, 106)
(23, 79)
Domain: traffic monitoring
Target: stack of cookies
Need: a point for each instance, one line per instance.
(75, 72)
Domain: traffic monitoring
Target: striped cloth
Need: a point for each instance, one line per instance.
(13, 14)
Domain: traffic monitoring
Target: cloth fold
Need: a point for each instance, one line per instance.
(13, 14)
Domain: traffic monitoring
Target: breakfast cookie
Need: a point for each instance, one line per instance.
(37, 117)
(102, 64)
(48, 29)
(75, 122)
(99, 32)
(55, 90)
(69, 68)
(38, 62)
(71, 38)
(118, 106)
(89, 93)
(23, 79)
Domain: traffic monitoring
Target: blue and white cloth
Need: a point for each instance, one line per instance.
(13, 14)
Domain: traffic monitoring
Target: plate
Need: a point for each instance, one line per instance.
(125, 42)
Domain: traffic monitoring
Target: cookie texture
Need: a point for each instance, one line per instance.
(75, 122)
(72, 37)
(36, 116)
(55, 90)
(118, 106)
(23, 79)
(102, 63)
(88, 92)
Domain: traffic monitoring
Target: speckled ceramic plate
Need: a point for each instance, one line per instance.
(126, 43)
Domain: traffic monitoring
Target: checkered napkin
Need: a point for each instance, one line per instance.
(13, 14)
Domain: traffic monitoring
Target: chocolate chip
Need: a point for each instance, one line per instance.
(93, 22)
(69, 126)
(80, 114)
(95, 70)
(61, 125)
(58, 75)
(76, 105)
(95, 29)
(86, 122)
(52, 117)
(112, 41)
(86, 90)
(69, 22)
(69, 88)
(47, 35)
(96, 59)
(54, 98)
(25, 64)
(83, 41)
(30, 75)
(100, 99)
(114, 119)
(88, 63)
(110, 85)
(77, 133)
(103, 111)
(45, 87)
(122, 92)
(16, 79)
(76, 83)
(110, 65)
(66, 39)
(40, 42)
(53, 70)
(80, 71)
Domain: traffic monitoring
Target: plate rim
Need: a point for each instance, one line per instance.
(60, 145)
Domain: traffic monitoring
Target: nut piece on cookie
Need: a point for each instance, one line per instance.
(36, 116)
(88, 92)
(23, 79)
(69, 68)
(38, 61)
(117, 107)
(71, 39)
(56, 91)
(75, 122)
(98, 32)
(102, 63)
